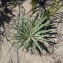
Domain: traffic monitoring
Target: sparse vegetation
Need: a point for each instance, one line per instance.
(54, 8)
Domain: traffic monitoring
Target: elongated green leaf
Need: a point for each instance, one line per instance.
(36, 43)
(20, 45)
(42, 31)
(33, 50)
(40, 21)
(34, 3)
(46, 24)
(38, 24)
(26, 42)
(36, 17)
(43, 35)
(40, 38)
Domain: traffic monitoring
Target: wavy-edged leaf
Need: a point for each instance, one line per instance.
(26, 43)
(42, 31)
(34, 20)
(40, 38)
(41, 26)
(38, 24)
(36, 43)
(33, 49)
(40, 21)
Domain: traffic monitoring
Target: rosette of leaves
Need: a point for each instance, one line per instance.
(31, 32)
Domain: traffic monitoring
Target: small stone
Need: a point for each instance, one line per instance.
(55, 40)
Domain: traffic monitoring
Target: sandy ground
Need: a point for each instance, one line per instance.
(9, 53)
